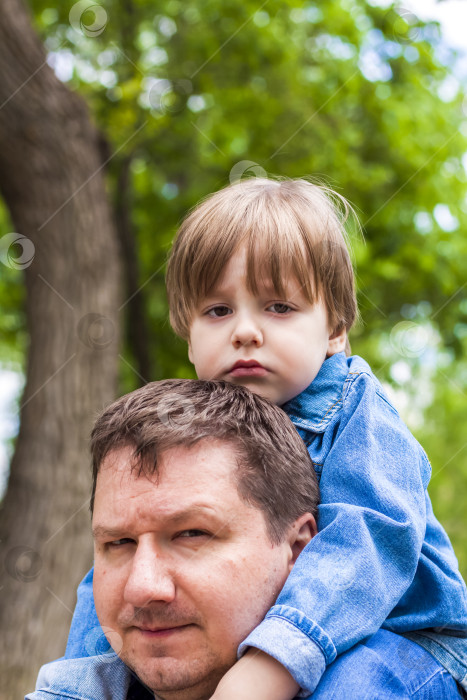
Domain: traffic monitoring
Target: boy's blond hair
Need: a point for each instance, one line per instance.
(291, 228)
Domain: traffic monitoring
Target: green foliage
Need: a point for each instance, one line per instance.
(13, 332)
(342, 89)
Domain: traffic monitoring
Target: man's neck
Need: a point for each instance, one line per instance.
(140, 691)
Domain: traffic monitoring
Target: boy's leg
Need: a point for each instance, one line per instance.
(386, 667)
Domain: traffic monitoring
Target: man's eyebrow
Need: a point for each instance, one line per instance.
(101, 531)
(192, 511)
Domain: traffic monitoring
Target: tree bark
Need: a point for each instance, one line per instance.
(52, 179)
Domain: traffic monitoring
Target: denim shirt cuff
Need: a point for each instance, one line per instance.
(297, 642)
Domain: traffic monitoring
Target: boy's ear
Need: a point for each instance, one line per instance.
(190, 354)
(302, 532)
(337, 342)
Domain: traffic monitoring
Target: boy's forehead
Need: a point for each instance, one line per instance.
(230, 283)
(231, 278)
(256, 274)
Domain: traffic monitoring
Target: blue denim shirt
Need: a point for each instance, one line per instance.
(380, 558)
(386, 666)
(100, 677)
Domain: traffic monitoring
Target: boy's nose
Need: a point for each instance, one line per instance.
(247, 332)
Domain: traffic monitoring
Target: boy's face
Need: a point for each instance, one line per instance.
(274, 347)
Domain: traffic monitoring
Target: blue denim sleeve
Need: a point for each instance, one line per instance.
(103, 677)
(86, 637)
(372, 523)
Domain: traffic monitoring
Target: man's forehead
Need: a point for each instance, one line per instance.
(206, 492)
(124, 457)
(200, 479)
(206, 459)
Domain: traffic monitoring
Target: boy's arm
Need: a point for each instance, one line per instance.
(86, 637)
(91, 677)
(372, 522)
(256, 675)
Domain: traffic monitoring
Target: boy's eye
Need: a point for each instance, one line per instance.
(280, 308)
(219, 311)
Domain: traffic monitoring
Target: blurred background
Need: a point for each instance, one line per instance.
(116, 118)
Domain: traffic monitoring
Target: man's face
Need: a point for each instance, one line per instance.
(184, 569)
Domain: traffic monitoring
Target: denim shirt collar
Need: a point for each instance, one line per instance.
(316, 405)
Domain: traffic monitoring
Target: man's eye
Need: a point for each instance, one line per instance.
(192, 533)
(219, 311)
(119, 543)
(280, 308)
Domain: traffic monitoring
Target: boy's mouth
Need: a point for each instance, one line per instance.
(247, 368)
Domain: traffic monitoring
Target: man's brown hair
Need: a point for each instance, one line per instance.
(291, 228)
(275, 472)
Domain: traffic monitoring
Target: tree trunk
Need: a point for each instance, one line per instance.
(51, 176)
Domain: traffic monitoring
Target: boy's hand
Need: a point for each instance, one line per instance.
(256, 675)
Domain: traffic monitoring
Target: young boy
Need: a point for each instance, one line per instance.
(261, 286)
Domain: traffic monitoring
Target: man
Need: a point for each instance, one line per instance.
(203, 497)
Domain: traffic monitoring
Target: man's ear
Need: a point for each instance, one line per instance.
(303, 530)
(336, 342)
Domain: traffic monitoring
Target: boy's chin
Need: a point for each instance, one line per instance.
(271, 393)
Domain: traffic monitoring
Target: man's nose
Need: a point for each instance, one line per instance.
(247, 331)
(150, 578)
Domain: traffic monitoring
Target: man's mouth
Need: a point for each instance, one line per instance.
(247, 368)
(159, 632)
